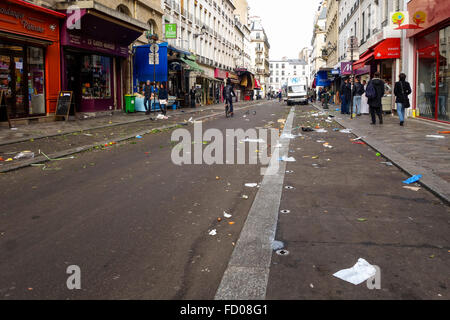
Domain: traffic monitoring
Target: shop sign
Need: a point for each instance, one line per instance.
(400, 20)
(95, 45)
(24, 21)
(220, 74)
(170, 30)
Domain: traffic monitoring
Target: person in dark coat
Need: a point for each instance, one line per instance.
(402, 90)
(147, 96)
(358, 91)
(228, 94)
(193, 93)
(163, 96)
(375, 104)
(346, 93)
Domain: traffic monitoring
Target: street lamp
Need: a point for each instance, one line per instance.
(202, 32)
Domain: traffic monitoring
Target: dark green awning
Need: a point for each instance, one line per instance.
(190, 61)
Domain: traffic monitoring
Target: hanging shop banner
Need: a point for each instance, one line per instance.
(170, 31)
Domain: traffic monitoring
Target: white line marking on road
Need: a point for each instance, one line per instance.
(247, 274)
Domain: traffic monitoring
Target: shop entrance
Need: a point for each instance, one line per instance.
(73, 80)
(13, 81)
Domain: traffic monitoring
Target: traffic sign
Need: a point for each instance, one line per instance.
(154, 48)
(153, 58)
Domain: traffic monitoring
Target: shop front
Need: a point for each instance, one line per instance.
(237, 86)
(246, 83)
(383, 57)
(220, 75)
(432, 53)
(29, 59)
(95, 61)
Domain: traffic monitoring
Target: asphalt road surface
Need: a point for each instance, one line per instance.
(138, 226)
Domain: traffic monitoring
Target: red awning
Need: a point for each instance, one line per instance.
(363, 61)
(388, 49)
(38, 8)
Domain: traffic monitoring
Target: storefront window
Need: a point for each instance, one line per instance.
(36, 80)
(96, 77)
(444, 74)
(426, 75)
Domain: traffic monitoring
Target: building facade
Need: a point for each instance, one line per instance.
(260, 56)
(317, 43)
(282, 70)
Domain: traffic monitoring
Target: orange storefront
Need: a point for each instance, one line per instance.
(30, 58)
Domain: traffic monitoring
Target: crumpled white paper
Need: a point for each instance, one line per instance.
(360, 272)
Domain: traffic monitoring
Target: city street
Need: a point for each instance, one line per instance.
(139, 226)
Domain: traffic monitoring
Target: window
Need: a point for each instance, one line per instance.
(124, 9)
(363, 25)
(96, 77)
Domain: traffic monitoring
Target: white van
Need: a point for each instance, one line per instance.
(297, 90)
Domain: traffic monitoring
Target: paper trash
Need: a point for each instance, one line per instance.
(288, 136)
(360, 272)
(287, 159)
(254, 140)
(346, 131)
(251, 185)
(435, 136)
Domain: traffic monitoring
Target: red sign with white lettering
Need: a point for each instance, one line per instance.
(388, 49)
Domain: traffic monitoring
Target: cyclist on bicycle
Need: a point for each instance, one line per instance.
(228, 94)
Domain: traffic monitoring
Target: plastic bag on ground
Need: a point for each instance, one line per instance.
(413, 179)
(360, 272)
(24, 155)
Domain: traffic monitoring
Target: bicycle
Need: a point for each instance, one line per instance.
(227, 110)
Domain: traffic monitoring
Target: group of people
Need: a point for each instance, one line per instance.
(151, 91)
(367, 97)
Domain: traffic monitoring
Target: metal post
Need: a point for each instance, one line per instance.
(154, 78)
(351, 78)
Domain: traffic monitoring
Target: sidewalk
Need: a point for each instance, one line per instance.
(407, 147)
(61, 139)
(49, 129)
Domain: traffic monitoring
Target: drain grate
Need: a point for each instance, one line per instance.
(282, 252)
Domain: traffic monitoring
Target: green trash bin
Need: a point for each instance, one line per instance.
(130, 101)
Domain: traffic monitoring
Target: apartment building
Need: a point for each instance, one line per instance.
(260, 55)
(282, 70)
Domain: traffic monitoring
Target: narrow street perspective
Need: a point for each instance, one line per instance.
(225, 156)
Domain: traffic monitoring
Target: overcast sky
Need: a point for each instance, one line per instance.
(288, 24)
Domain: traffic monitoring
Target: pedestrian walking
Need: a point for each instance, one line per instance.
(193, 94)
(358, 91)
(228, 94)
(402, 90)
(375, 92)
(346, 92)
(147, 96)
(364, 102)
(163, 96)
(280, 96)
